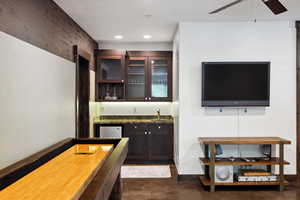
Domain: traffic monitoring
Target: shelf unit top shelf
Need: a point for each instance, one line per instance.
(206, 182)
(238, 161)
(243, 140)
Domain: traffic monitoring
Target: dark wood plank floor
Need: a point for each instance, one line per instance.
(170, 189)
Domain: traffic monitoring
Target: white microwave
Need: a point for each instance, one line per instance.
(110, 131)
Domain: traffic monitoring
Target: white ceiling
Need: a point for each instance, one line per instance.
(103, 19)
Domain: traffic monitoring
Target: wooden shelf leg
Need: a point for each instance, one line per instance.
(281, 167)
(212, 167)
(206, 155)
(269, 167)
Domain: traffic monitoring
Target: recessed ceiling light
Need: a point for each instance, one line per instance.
(118, 37)
(147, 36)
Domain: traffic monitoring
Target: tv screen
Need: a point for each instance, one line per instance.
(235, 84)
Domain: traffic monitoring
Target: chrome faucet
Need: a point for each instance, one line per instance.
(158, 113)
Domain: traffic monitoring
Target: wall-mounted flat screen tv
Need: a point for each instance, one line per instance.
(235, 84)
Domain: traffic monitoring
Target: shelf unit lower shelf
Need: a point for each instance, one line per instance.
(206, 182)
(239, 161)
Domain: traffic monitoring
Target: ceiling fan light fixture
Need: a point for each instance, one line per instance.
(275, 6)
(226, 6)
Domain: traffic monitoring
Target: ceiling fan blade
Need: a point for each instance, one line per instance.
(275, 6)
(226, 6)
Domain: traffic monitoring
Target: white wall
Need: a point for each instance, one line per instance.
(137, 46)
(236, 41)
(37, 99)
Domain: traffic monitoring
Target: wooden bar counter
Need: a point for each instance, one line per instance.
(84, 169)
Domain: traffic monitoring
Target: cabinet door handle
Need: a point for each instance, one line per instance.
(159, 127)
(146, 98)
(145, 132)
(149, 98)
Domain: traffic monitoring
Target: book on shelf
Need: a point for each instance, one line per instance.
(257, 178)
(255, 173)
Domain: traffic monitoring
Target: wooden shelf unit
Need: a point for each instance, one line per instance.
(210, 162)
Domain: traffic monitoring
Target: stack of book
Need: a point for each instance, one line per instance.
(256, 176)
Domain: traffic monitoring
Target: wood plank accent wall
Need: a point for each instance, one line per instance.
(298, 98)
(44, 24)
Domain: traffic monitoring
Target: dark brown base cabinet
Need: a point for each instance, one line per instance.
(149, 143)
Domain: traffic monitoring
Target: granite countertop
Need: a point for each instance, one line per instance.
(132, 119)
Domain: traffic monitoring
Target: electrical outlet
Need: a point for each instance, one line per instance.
(101, 109)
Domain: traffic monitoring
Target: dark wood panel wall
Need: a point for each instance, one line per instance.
(298, 99)
(44, 24)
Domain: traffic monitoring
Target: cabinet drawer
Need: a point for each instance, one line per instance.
(160, 129)
(135, 128)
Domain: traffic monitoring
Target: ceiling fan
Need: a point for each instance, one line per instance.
(274, 5)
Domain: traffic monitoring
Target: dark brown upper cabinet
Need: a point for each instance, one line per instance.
(136, 84)
(110, 77)
(134, 75)
(111, 68)
(149, 76)
(160, 78)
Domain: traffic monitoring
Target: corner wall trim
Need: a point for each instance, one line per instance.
(188, 178)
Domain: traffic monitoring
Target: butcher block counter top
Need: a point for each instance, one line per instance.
(132, 119)
(64, 177)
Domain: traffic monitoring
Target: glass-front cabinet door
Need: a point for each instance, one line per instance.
(136, 78)
(160, 77)
(111, 68)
